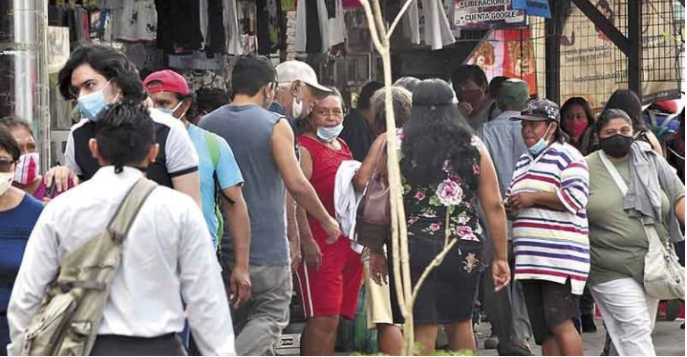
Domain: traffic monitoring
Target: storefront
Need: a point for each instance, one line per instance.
(561, 48)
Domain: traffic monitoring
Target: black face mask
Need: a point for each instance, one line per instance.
(617, 145)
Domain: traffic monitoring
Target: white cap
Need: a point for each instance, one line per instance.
(291, 71)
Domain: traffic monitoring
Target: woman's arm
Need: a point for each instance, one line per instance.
(490, 199)
(368, 167)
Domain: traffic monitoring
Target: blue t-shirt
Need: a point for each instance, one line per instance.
(16, 225)
(228, 173)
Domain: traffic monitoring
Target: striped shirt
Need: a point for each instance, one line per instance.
(552, 245)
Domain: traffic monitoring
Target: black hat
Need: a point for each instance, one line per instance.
(540, 110)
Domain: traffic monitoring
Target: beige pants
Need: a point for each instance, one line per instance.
(377, 298)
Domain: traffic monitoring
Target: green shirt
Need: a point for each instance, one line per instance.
(618, 242)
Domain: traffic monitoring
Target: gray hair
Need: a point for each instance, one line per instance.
(402, 102)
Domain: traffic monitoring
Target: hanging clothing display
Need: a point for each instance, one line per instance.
(437, 29)
(410, 24)
(352, 4)
(178, 26)
(212, 26)
(312, 21)
(337, 24)
(136, 20)
(270, 32)
(231, 23)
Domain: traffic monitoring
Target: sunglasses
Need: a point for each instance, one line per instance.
(6, 165)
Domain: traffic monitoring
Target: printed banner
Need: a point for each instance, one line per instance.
(592, 67)
(487, 14)
(507, 53)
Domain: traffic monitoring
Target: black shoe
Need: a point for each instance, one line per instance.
(683, 326)
(588, 325)
(515, 348)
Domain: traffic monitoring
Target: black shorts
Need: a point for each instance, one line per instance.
(549, 304)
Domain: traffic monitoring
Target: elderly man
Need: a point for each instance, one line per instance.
(505, 144)
(297, 91)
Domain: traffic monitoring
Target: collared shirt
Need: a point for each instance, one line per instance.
(548, 244)
(177, 156)
(167, 256)
(503, 139)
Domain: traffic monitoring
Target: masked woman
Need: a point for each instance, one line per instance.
(330, 276)
(620, 224)
(19, 212)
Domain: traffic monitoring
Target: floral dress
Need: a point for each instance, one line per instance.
(437, 214)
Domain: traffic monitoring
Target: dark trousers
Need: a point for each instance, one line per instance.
(115, 345)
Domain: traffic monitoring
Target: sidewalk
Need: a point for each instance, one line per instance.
(669, 340)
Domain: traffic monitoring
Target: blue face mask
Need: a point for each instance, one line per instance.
(541, 145)
(329, 134)
(170, 111)
(90, 105)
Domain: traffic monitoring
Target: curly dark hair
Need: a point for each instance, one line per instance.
(435, 133)
(108, 62)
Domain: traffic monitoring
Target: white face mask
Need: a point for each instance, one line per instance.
(6, 179)
(171, 111)
(297, 109)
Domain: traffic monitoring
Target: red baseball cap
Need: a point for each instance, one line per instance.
(166, 81)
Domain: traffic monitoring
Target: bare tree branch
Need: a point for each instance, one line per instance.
(398, 18)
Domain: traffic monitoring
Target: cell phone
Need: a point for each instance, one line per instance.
(51, 190)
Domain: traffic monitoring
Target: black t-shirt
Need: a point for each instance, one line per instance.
(357, 134)
(177, 154)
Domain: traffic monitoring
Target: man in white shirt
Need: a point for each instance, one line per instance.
(97, 76)
(167, 256)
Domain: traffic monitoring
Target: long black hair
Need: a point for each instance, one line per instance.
(629, 102)
(434, 134)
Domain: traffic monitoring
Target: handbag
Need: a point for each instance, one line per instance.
(664, 277)
(373, 218)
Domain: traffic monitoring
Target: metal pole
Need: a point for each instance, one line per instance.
(553, 58)
(634, 58)
(25, 54)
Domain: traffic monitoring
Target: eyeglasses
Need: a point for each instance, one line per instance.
(6, 165)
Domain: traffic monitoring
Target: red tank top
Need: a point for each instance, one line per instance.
(325, 164)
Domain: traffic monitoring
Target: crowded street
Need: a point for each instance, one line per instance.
(342, 177)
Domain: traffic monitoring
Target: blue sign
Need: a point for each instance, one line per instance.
(533, 7)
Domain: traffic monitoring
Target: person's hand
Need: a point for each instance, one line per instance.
(511, 211)
(500, 271)
(240, 286)
(311, 253)
(379, 270)
(465, 108)
(61, 175)
(295, 249)
(522, 200)
(333, 230)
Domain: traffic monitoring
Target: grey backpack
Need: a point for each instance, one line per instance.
(68, 320)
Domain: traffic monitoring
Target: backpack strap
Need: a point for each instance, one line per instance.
(213, 148)
(128, 209)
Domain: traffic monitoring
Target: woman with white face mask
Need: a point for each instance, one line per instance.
(331, 273)
(27, 175)
(18, 215)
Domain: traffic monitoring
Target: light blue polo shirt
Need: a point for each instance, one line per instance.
(228, 174)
